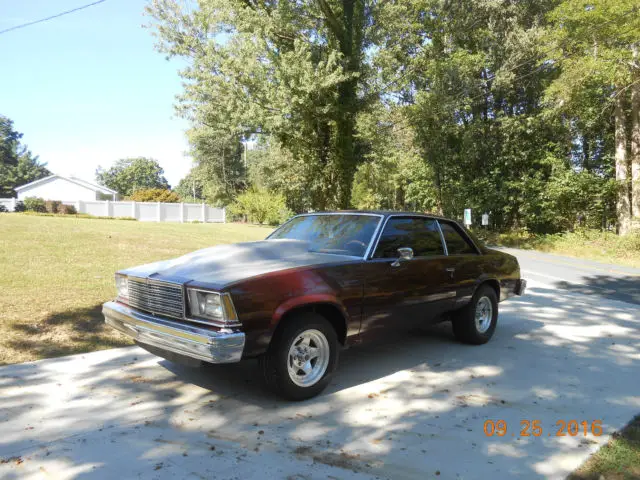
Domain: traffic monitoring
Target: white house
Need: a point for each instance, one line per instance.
(65, 189)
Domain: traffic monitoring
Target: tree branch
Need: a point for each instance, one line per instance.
(331, 19)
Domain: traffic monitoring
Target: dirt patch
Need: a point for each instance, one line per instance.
(345, 460)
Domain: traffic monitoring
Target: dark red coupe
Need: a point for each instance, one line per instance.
(319, 283)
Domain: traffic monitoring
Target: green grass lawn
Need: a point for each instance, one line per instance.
(57, 271)
(619, 459)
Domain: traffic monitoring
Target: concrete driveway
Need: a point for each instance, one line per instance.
(411, 408)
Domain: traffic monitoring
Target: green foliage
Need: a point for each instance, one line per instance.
(502, 107)
(66, 209)
(260, 206)
(9, 142)
(52, 206)
(190, 188)
(3, 209)
(155, 195)
(18, 166)
(582, 242)
(19, 207)
(34, 204)
(295, 71)
(131, 174)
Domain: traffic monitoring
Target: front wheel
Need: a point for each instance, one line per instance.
(476, 322)
(302, 357)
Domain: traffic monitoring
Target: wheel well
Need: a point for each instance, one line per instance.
(331, 312)
(493, 284)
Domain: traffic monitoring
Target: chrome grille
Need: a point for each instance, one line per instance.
(154, 296)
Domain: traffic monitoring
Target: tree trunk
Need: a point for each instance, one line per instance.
(350, 47)
(635, 142)
(348, 32)
(622, 167)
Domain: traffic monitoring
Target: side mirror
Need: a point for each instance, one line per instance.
(404, 253)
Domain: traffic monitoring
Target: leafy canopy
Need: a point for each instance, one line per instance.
(155, 195)
(131, 174)
(18, 166)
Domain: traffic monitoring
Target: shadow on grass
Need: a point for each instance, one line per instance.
(77, 330)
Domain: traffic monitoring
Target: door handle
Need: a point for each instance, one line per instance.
(450, 271)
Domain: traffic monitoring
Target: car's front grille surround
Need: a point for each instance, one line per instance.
(157, 297)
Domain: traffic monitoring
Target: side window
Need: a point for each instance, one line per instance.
(420, 234)
(457, 244)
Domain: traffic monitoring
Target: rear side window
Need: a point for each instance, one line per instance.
(419, 234)
(457, 244)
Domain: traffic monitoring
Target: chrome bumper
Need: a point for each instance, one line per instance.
(191, 341)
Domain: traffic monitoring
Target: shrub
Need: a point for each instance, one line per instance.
(260, 206)
(3, 209)
(155, 195)
(66, 209)
(19, 206)
(51, 206)
(34, 204)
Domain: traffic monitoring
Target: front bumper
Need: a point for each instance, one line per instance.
(521, 286)
(195, 342)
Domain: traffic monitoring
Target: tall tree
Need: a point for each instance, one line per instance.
(294, 70)
(130, 174)
(9, 142)
(596, 47)
(462, 72)
(635, 131)
(18, 166)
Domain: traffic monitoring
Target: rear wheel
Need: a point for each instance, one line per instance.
(302, 357)
(476, 322)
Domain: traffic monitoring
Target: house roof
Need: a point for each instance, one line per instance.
(77, 181)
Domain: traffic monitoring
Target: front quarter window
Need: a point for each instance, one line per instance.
(338, 234)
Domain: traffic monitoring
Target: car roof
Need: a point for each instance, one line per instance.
(384, 213)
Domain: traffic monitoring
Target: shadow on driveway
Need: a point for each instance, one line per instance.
(414, 407)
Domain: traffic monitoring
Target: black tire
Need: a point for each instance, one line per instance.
(275, 363)
(465, 327)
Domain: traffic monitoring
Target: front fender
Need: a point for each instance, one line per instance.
(308, 300)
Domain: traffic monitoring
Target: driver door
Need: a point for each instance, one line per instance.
(402, 293)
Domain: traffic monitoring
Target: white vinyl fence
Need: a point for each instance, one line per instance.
(144, 211)
(8, 203)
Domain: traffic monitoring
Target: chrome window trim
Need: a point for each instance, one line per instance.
(373, 236)
(411, 215)
(463, 234)
(444, 244)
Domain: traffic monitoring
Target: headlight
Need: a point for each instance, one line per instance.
(122, 285)
(211, 306)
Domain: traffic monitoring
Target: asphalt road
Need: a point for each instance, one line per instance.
(412, 408)
(608, 281)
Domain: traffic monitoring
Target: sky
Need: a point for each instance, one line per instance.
(88, 88)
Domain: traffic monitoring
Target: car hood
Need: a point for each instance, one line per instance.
(225, 264)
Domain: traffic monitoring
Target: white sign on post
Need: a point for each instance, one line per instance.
(467, 216)
(485, 219)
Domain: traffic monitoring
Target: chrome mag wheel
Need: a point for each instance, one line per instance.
(484, 314)
(308, 358)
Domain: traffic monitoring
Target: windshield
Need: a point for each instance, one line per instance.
(338, 234)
